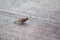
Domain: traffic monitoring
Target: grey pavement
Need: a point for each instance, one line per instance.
(44, 23)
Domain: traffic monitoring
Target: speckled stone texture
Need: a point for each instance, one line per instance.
(44, 23)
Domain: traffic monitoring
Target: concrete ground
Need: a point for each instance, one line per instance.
(29, 31)
(44, 23)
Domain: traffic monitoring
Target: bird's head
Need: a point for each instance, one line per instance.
(27, 18)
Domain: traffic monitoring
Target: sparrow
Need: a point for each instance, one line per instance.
(23, 20)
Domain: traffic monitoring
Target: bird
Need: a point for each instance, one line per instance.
(23, 20)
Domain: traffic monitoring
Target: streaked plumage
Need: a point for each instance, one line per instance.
(23, 20)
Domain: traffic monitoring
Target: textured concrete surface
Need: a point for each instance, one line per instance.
(29, 31)
(44, 23)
